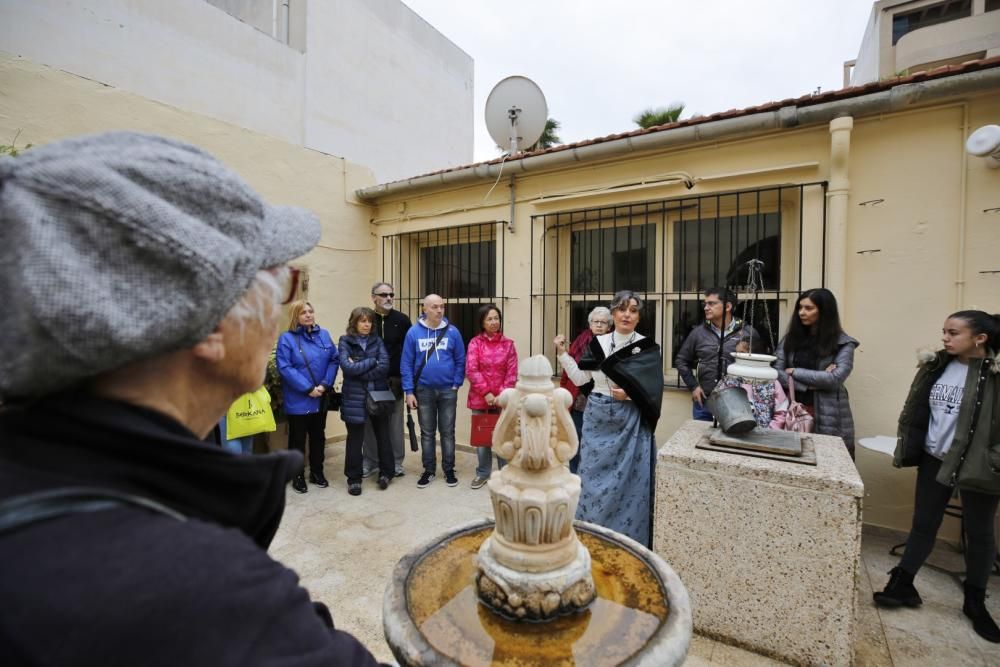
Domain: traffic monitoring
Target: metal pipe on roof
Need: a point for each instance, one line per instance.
(883, 101)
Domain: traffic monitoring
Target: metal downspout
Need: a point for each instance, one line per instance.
(513, 200)
(837, 200)
(962, 215)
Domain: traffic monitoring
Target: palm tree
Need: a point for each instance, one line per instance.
(549, 137)
(652, 117)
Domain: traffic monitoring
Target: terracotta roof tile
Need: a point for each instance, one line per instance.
(803, 101)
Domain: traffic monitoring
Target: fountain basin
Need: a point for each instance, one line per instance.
(432, 615)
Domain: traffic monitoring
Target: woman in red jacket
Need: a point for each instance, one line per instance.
(491, 366)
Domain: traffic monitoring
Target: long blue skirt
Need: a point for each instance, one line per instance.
(615, 467)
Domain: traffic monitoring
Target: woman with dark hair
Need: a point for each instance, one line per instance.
(307, 361)
(364, 362)
(950, 430)
(818, 357)
(491, 366)
(616, 476)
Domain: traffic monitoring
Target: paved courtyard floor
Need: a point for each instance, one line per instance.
(344, 549)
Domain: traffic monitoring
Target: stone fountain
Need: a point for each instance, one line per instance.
(535, 587)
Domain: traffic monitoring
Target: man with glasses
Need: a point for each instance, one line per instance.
(391, 326)
(700, 351)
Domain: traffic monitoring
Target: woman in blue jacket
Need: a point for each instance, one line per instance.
(307, 361)
(365, 363)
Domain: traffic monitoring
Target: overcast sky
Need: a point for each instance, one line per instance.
(600, 62)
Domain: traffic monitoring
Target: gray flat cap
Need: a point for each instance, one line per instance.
(117, 247)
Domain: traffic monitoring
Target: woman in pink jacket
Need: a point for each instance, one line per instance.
(491, 366)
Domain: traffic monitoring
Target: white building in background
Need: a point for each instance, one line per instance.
(904, 37)
(354, 78)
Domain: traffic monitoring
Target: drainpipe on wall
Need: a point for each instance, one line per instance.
(836, 197)
(285, 23)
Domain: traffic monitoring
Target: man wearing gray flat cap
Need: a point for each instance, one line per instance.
(141, 284)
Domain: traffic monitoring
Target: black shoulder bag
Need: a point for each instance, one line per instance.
(410, 427)
(331, 399)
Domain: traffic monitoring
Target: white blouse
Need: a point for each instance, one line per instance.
(609, 343)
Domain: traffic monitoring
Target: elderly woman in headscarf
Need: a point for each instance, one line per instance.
(142, 283)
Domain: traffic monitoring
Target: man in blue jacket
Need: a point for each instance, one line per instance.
(433, 368)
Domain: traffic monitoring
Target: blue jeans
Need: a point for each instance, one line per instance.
(701, 413)
(484, 457)
(436, 412)
(242, 445)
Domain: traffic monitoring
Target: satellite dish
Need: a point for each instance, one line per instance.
(516, 113)
(985, 142)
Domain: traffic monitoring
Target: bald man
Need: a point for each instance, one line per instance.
(433, 368)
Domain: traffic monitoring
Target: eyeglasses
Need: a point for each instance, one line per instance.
(384, 295)
(712, 304)
(603, 323)
(293, 285)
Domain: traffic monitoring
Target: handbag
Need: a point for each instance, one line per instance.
(250, 414)
(797, 418)
(483, 425)
(380, 402)
(331, 399)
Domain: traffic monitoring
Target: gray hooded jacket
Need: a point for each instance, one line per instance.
(833, 409)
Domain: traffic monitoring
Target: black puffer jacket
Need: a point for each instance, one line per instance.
(126, 586)
(363, 368)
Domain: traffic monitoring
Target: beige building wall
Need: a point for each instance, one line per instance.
(44, 105)
(907, 262)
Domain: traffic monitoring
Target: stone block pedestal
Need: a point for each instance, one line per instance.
(768, 550)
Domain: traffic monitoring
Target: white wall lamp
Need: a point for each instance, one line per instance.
(985, 143)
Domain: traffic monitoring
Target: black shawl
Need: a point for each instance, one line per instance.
(636, 368)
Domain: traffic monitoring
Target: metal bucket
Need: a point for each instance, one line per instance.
(732, 408)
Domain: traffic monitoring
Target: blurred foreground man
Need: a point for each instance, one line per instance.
(141, 284)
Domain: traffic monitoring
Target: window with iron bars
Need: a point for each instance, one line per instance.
(669, 251)
(457, 263)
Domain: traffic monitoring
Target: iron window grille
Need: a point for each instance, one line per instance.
(670, 251)
(458, 263)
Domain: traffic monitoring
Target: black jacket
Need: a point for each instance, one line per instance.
(126, 586)
(392, 330)
(370, 365)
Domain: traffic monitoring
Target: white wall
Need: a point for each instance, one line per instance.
(376, 84)
(391, 67)
(185, 53)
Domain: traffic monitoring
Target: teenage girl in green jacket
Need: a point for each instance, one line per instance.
(948, 429)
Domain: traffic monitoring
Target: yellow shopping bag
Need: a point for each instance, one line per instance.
(250, 414)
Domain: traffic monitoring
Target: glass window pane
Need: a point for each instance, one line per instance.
(613, 258)
(713, 252)
(459, 270)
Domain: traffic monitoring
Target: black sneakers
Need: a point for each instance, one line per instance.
(299, 484)
(425, 480)
(318, 479)
(354, 488)
(450, 479)
(383, 482)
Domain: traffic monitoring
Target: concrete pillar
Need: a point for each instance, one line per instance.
(836, 197)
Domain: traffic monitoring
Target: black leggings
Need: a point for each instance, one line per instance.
(978, 512)
(355, 441)
(315, 426)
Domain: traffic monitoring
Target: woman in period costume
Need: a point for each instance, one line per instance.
(618, 424)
